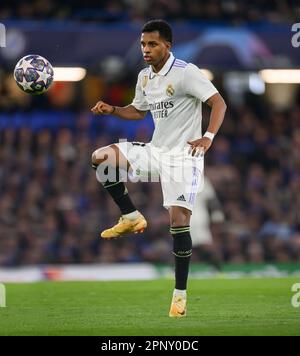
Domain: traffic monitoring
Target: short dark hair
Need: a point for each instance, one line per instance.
(163, 28)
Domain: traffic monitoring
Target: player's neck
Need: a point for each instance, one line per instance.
(156, 68)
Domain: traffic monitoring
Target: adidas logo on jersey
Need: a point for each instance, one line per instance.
(181, 198)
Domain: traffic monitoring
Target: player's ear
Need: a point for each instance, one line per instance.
(168, 44)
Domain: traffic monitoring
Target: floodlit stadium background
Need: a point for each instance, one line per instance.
(51, 206)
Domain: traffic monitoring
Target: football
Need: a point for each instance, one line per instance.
(33, 74)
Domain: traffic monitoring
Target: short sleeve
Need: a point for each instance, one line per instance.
(196, 84)
(139, 101)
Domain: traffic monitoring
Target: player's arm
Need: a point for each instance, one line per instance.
(127, 112)
(194, 83)
(218, 109)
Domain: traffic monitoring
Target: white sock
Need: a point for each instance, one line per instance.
(180, 292)
(131, 216)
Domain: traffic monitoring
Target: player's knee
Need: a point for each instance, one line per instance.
(94, 158)
(98, 156)
(179, 216)
(106, 154)
(180, 222)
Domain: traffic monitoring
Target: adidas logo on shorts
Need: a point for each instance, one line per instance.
(181, 198)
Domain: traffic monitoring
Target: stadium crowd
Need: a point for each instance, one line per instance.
(52, 208)
(94, 11)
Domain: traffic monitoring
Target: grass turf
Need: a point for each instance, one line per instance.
(215, 307)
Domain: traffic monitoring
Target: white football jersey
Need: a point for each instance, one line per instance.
(174, 96)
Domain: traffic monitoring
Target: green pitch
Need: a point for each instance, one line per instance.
(215, 307)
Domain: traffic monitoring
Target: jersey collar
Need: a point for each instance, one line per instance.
(165, 69)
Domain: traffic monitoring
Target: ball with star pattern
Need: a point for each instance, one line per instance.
(33, 74)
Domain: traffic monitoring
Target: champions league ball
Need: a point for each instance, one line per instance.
(33, 74)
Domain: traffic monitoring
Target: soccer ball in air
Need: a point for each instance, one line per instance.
(33, 74)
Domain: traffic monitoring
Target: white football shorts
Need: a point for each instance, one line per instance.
(180, 174)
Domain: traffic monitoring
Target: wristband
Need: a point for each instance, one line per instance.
(209, 135)
(113, 110)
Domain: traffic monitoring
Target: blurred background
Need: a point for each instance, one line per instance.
(51, 206)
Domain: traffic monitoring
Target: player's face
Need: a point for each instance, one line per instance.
(154, 48)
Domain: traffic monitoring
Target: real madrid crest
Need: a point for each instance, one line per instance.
(170, 90)
(145, 81)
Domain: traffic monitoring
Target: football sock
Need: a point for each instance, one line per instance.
(131, 216)
(178, 292)
(182, 250)
(116, 188)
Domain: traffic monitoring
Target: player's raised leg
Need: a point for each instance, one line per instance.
(182, 250)
(108, 162)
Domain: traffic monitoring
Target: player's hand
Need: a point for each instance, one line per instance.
(102, 108)
(199, 147)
